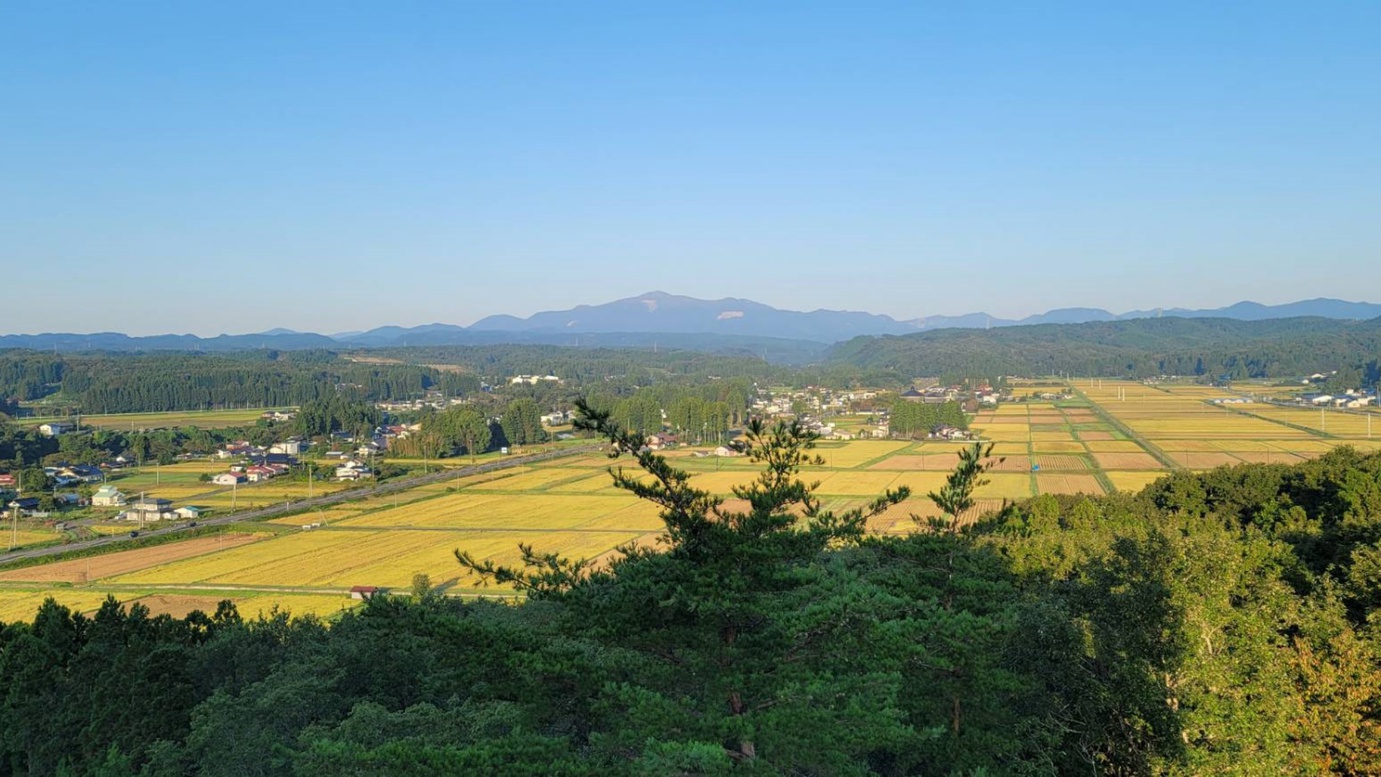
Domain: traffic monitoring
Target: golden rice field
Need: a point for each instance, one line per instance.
(1118, 437)
(22, 604)
(24, 538)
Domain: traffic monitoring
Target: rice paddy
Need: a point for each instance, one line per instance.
(1112, 436)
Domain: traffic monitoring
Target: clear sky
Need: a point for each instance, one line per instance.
(233, 167)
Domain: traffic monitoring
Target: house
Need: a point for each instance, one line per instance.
(55, 428)
(6, 481)
(947, 432)
(912, 395)
(1351, 401)
(364, 592)
(725, 450)
(353, 470)
(259, 473)
(287, 447)
(108, 496)
(28, 505)
(149, 509)
(229, 478)
(661, 440)
(82, 473)
(189, 513)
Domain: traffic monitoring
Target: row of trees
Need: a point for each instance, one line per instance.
(124, 383)
(703, 413)
(917, 419)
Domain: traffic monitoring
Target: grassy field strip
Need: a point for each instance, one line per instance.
(1112, 421)
(1103, 479)
(1031, 450)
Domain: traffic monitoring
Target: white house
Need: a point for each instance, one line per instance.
(149, 509)
(289, 447)
(108, 496)
(55, 428)
(228, 478)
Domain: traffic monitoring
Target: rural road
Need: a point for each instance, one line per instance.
(392, 486)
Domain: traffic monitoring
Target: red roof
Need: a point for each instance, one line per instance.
(364, 589)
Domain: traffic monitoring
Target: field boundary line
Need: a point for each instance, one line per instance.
(1307, 429)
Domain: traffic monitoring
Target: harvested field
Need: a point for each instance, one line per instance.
(1113, 446)
(1048, 462)
(1192, 460)
(1268, 457)
(1111, 461)
(929, 462)
(97, 567)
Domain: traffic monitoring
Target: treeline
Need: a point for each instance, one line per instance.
(1213, 348)
(588, 367)
(703, 413)
(918, 419)
(106, 383)
(22, 448)
(1217, 623)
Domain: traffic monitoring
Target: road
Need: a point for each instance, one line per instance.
(390, 487)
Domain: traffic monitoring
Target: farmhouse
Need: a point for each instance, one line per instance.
(108, 496)
(291, 447)
(189, 513)
(55, 428)
(6, 481)
(149, 509)
(261, 472)
(353, 470)
(28, 505)
(228, 478)
(83, 473)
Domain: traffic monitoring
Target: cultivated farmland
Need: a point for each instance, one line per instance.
(1111, 436)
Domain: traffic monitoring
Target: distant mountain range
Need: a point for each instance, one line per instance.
(670, 320)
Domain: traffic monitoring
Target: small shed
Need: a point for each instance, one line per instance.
(364, 592)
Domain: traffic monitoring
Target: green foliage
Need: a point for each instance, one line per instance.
(124, 383)
(463, 428)
(321, 417)
(522, 423)
(1209, 347)
(918, 419)
(955, 498)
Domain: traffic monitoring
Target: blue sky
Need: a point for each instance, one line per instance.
(232, 167)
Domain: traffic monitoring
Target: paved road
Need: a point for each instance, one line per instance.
(392, 486)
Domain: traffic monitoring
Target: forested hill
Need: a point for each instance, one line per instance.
(1137, 348)
(120, 383)
(165, 381)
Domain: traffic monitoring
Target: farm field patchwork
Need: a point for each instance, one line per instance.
(570, 505)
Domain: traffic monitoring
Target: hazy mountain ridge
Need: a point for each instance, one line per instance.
(645, 319)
